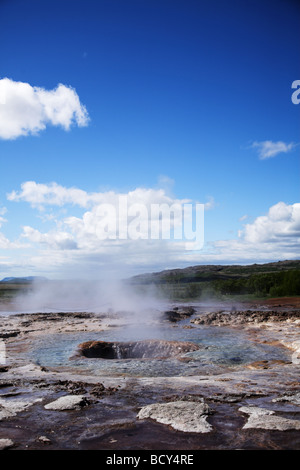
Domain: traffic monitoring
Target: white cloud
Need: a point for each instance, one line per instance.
(273, 236)
(269, 149)
(6, 244)
(26, 110)
(41, 195)
(280, 225)
(99, 227)
(93, 237)
(59, 240)
(74, 243)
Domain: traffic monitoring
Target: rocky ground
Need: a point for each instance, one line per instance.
(253, 406)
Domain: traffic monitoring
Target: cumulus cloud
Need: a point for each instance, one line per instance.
(281, 225)
(273, 236)
(6, 244)
(268, 148)
(86, 237)
(52, 194)
(41, 195)
(108, 216)
(110, 229)
(59, 240)
(26, 109)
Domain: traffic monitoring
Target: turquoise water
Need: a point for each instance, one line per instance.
(220, 348)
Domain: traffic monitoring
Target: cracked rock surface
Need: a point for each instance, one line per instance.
(9, 408)
(261, 418)
(5, 443)
(183, 416)
(68, 402)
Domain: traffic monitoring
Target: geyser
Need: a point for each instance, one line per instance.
(145, 349)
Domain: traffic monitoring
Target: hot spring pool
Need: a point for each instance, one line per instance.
(219, 348)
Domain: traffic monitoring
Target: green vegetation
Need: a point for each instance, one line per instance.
(280, 279)
(262, 285)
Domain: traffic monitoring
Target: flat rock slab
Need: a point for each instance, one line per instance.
(260, 418)
(183, 416)
(10, 408)
(68, 402)
(6, 443)
(294, 399)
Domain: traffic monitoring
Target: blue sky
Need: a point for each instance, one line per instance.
(191, 97)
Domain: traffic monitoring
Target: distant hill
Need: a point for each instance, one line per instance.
(277, 279)
(23, 280)
(211, 272)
